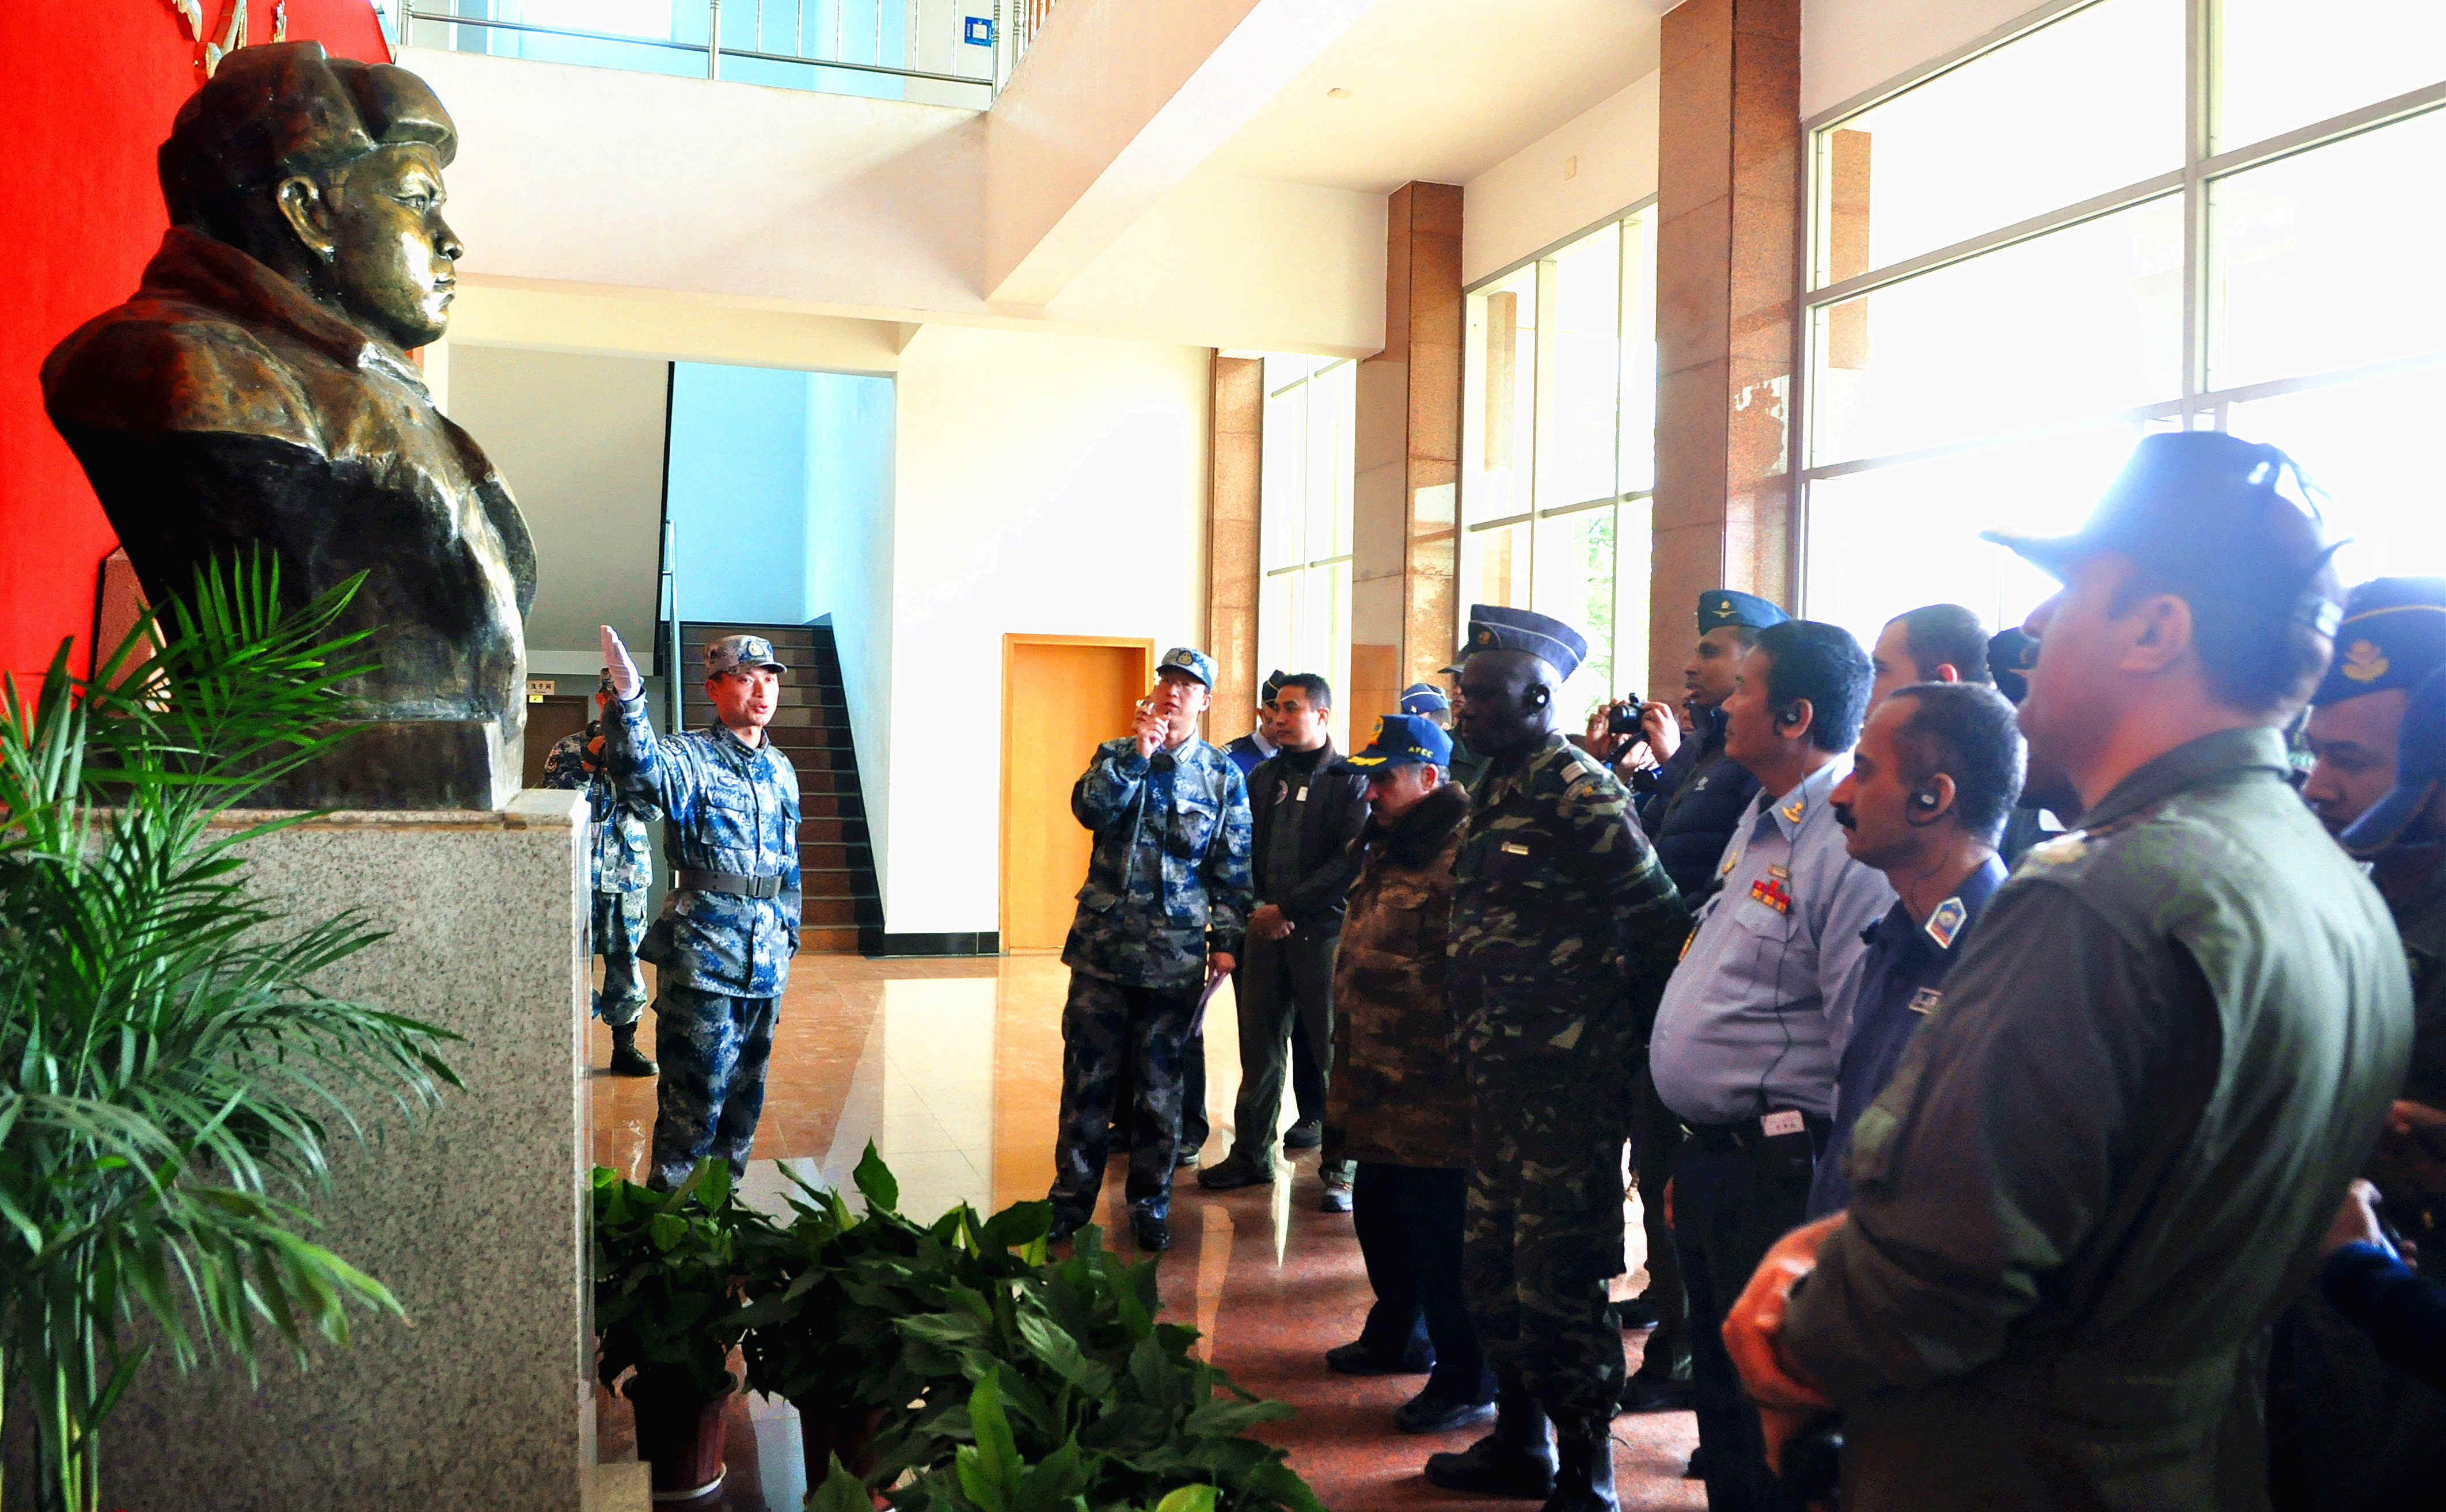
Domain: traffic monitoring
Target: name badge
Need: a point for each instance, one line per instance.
(1786, 1122)
(1513, 847)
(1925, 1000)
(1303, 796)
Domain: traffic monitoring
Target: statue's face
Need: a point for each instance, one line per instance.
(394, 261)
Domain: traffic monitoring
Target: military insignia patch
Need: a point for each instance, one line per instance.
(1732, 859)
(1925, 1000)
(2363, 662)
(1769, 891)
(1947, 922)
(1792, 810)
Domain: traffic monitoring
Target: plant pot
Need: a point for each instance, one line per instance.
(680, 1431)
(824, 1433)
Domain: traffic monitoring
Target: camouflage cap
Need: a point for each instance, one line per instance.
(733, 652)
(1189, 660)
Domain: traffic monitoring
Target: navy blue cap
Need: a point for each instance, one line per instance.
(2011, 654)
(2394, 634)
(1188, 659)
(2211, 511)
(2420, 766)
(1423, 698)
(1718, 607)
(1498, 627)
(1400, 740)
(1272, 685)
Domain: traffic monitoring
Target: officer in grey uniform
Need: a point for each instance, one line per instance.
(722, 948)
(1160, 916)
(2110, 1156)
(623, 871)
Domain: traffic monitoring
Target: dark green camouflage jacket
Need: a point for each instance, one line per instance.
(1398, 1096)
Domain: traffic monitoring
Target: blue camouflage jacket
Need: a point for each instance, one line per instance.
(622, 862)
(725, 808)
(1168, 879)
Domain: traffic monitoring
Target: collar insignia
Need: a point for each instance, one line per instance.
(1792, 810)
(2363, 662)
(1925, 1000)
(1947, 922)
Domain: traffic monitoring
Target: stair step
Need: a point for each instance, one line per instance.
(837, 941)
(829, 911)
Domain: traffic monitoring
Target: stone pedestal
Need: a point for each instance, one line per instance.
(476, 1219)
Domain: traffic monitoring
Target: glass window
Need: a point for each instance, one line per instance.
(2284, 63)
(2073, 109)
(2371, 447)
(1304, 526)
(1499, 398)
(1577, 446)
(2087, 321)
(2307, 273)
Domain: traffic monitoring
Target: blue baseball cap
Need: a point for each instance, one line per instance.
(1190, 660)
(1423, 698)
(1718, 607)
(1400, 740)
(2420, 766)
(1498, 627)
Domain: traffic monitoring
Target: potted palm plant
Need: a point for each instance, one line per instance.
(173, 1080)
(667, 1282)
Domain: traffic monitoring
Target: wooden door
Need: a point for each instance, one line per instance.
(1062, 695)
(549, 719)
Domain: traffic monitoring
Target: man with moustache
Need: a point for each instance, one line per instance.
(2394, 634)
(2109, 1157)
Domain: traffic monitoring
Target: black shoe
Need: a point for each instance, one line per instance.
(1305, 1135)
(1335, 1198)
(1186, 1159)
(1634, 1314)
(1653, 1393)
(1064, 1224)
(626, 1060)
(1154, 1235)
(1697, 1468)
(1582, 1475)
(1233, 1171)
(1514, 1461)
(1429, 1413)
(1356, 1358)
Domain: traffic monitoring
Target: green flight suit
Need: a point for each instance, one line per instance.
(2107, 1160)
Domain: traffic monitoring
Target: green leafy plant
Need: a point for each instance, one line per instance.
(173, 1080)
(667, 1276)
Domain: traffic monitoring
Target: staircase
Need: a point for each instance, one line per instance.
(841, 907)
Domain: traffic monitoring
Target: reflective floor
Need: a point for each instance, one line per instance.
(953, 1070)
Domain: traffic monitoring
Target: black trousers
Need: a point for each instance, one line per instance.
(1410, 1220)
(1656, 1151)
(1729, 1207)
(1285, 993)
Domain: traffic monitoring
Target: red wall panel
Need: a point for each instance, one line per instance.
(87, 89)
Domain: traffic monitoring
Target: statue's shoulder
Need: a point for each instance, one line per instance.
(161, 362)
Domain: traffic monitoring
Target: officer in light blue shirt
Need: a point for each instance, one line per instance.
(1755, 1017)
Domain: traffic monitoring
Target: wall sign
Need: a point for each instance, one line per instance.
(980, 31)
(539, 689)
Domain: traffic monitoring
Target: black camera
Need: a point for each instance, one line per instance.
(1622, 716)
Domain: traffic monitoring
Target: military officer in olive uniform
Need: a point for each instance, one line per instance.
(1564, 929)
(2109, 1157)
(722, 948)
(1161, 915)
(623, 871)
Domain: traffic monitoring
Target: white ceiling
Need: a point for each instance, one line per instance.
(1441, 90)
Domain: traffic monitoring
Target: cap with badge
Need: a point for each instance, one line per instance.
(1423, 698)
(1498, 627)
(2220, 515)
(2011, 654)
(732, 653)
(2394, 634)
(1718, 607)
(2420, 767)
(1190, 660)
(1272, 685)
(1400, 740)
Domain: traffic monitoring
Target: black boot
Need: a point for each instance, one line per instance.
(626, 1060)
(1584, 1478)
(1514, 1461)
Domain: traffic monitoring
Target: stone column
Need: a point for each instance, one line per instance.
(1728, 188)
(1235, 464)
(1408, 448)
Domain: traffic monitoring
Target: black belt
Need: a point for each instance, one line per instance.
(1727, 1138)
(729, 883)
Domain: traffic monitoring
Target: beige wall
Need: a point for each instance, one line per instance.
(1599, 163)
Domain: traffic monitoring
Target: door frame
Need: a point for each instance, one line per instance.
(1011, 642)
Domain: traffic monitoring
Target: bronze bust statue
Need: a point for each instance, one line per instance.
(256, 391)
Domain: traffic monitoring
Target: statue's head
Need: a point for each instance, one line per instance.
(329, 171)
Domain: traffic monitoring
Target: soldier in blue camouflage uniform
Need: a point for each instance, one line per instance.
(623, 871)
(722, 945)
(1564, 930)
(1162, 912)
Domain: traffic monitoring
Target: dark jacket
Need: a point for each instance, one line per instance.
(1330, 818)
(1398, 1094)
(1693, 811)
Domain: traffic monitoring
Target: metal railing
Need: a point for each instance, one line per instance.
(958, 27)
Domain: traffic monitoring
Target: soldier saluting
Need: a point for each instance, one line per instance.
(1564, 929)
(624, 870)
(722, 945)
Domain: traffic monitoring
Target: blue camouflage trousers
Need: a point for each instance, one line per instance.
(714, 1051)
(619, 925)
(1104, 1024)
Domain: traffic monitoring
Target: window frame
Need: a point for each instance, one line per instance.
(2198, 406)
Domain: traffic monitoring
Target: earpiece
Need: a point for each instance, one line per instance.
(1539, 696)
(1924, 798)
